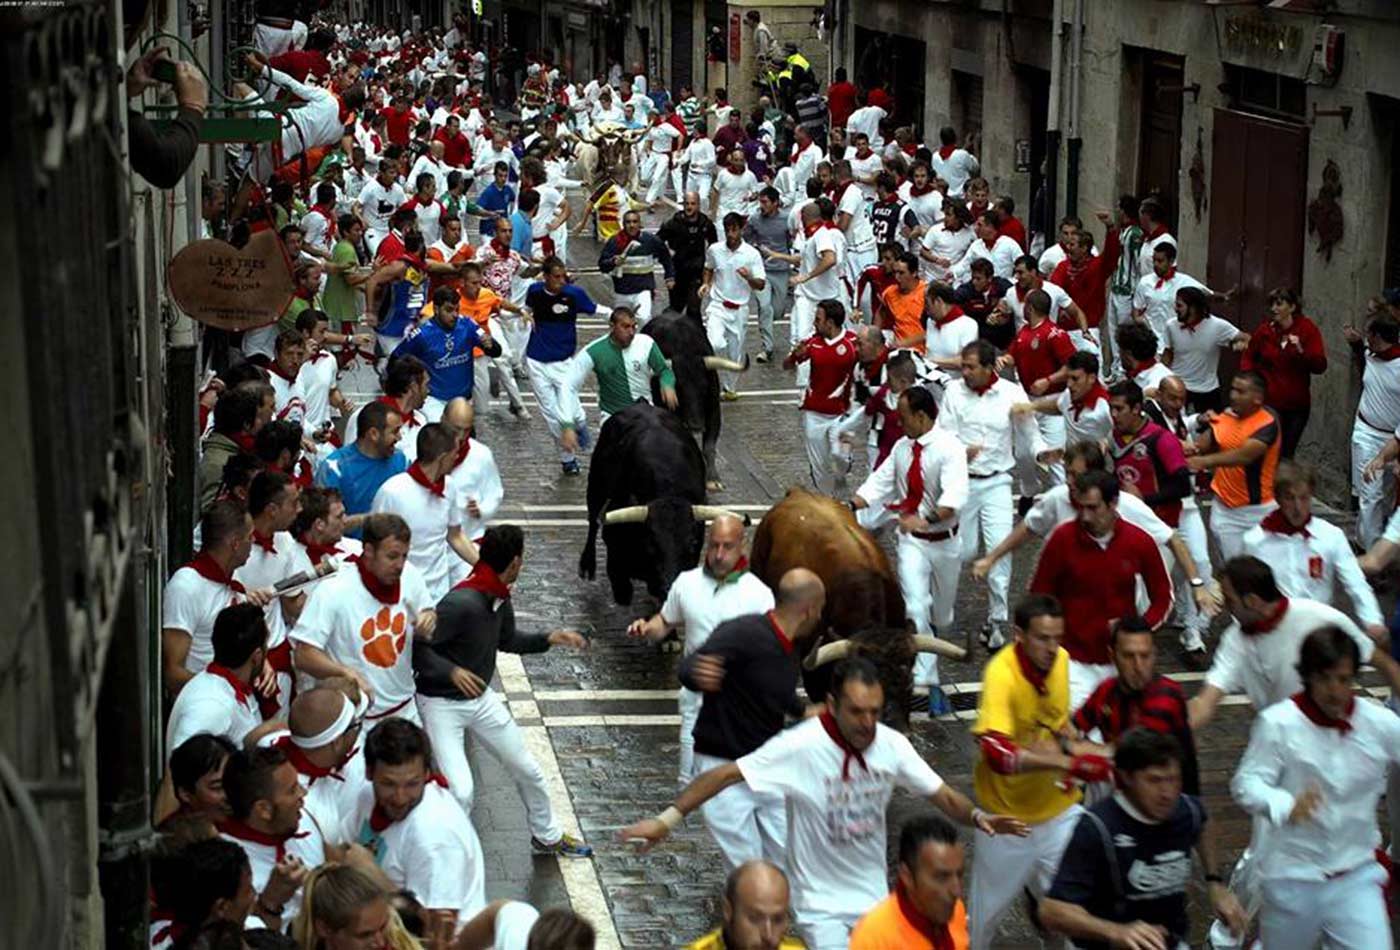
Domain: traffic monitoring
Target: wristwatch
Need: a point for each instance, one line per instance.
(1197, 582)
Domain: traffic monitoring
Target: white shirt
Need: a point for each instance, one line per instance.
(1059, 298)
(866, 119)
(736, 193)
(378, 204)
(488, 156)
(1264, 666)
(868, 167)
(724, 263)
(1002, 254)
(429, 517)
(316, 378)
(928, 208)
(265, 568)
(949, 245)
(1092, 424)
(943, 461)
(476, 479)
(432, 851)
(191, 604)
(550, 200)
(429, 217)
(438, 169)
(947, 341)
(1149, 245)
(306, 843)
(956, 169)
(316, 231)
(208, 703)
(987, 420)
(1051, 257)
(859, 235)
(1196, 352)
(1152, 376)
(1053, 508)
(1310, 565)
(826, 285)
(289, 402)
(804, 167)
(700, 603)
(1288, 753)
(514, 921)
(1380, 393)
(662, 138)
(836, 825)
(700, 156)
(1158, 304)
(356, 630)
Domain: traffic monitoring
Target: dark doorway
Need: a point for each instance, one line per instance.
(897, 63)
(1159, 136)
(1391, 115)
(1035, 94)
(1258, 195)
(682, 45)
(967, 109)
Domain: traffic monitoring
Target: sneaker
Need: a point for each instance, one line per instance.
(729, 395)
(566, 847)
(1024, 505)
(520, 412)
(571, 467)
(938, 704)
(992, 636)
(764, 357)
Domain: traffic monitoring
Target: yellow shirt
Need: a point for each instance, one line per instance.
(1011, 706)
(714, 940)
(886, 928)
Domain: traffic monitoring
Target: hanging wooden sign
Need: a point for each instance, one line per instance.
(229, 287)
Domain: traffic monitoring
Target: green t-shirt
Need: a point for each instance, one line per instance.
(341, 301)
(288, 320)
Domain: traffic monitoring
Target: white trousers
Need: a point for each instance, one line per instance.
(1087, 341)
(823, 931)
(548, 381)
(1120, 312)
(1084, 678)
(640, 304)
(689, 702)
(725, 329)
(988, 514)
(448, 723)
(1037, 476)
(1230, 524)
(701, 183)
(804, 315)
(745, 824)
(1347, 912)
(481, 385)
(928, 580)
(1376, 497)
(1004, 865)
(1192, 529)
(856, 263)
(772, 305)
(1246, 883)
(827, 458)
(517, 337)
(656, 169)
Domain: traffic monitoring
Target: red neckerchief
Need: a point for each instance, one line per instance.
(264, 541)
(875, 367)
(382, 592)
(978, 208)
(206, 567)
(484, 578)
(408, 417)
(945, 152)
(1157, 232)
(953, 313)
(909, 148)
(418, 201)
(913, 482)
(378, 821)
(237, 829)
(783, 639)
(937, 935)
(1388, 354)
(242, 691)
(841, 191)
(1268, 623)
(1145, 365)
(463, 451)
(918, 191)
(828, 722)
(172, 931)
(319, 552)
(1319, 718)
(297, 756)
(809, 229)
(1091, 399)
(276, 370)
(1171, 272)
(1033, 674)
(741, 567)
(983, 390)
(992, 243)
(623, 239)
(1275, 523)
(502, 250)
(868, 152)
(438, 488)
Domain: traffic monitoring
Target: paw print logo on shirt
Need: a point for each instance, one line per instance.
(384, 636)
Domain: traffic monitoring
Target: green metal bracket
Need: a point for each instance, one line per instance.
(227, 119)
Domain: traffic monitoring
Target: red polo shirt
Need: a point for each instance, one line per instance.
(456, 150)
(1096, 584)
(841, 98)
(1039, 352)
(1288, 366)
(1088, 286)
(398, 125)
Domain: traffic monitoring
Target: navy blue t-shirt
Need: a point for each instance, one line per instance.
(1121, 869)
(554, 336)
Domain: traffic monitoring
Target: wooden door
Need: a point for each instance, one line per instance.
(682, 46)
(1258, 198)
(1159, 136)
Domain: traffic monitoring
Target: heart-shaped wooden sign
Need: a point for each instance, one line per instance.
(229, 287)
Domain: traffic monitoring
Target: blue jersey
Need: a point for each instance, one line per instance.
(494, 199)
(358, 476)
(404, 301)
(555, 336)
(522, 236)
(448, 356)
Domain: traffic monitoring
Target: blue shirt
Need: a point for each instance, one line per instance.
(358, 476)
(494, 199)
(448, 356)
(555, 336)
(523, 234)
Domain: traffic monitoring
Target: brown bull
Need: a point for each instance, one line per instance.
(863, 604)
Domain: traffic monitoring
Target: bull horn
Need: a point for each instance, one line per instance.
(719, 362)
(828, 653)
(711, 512)
(633, 514)
(927, 643)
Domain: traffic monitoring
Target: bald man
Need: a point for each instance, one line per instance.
(700, 600)
(474, 483)
(747, 672)
(321, 745)
(756, 911)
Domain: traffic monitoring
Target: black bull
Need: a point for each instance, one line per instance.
(646, 491)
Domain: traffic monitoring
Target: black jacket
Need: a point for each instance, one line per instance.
(471, 627)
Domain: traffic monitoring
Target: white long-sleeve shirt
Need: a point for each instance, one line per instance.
(476, 478)
(1288, 753)
(986, 420)
(943, 462)
(956, 169)
(1310, 563)
(949, 245)
(1002, 254)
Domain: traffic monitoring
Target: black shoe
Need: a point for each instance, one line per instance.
(1024, 505)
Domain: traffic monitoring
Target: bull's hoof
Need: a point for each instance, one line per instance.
(622, 595)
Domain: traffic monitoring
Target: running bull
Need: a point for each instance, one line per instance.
(646, 491)
(683, 342)
(864, 611)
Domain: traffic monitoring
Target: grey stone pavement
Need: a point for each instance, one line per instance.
(606, 718)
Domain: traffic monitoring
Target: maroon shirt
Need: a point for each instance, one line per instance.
(1288, 366)
(841, 98)
(1152, 462)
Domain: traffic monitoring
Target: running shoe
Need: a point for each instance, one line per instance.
(566, 847)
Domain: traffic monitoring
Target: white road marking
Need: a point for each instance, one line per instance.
(510, 509)
(603, 695)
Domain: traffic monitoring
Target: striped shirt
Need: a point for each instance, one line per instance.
(1160, 706)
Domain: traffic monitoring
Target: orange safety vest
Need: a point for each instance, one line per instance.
(1253, 484)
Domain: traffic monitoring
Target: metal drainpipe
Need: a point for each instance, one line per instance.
(1076, 81)
(1052, 124)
